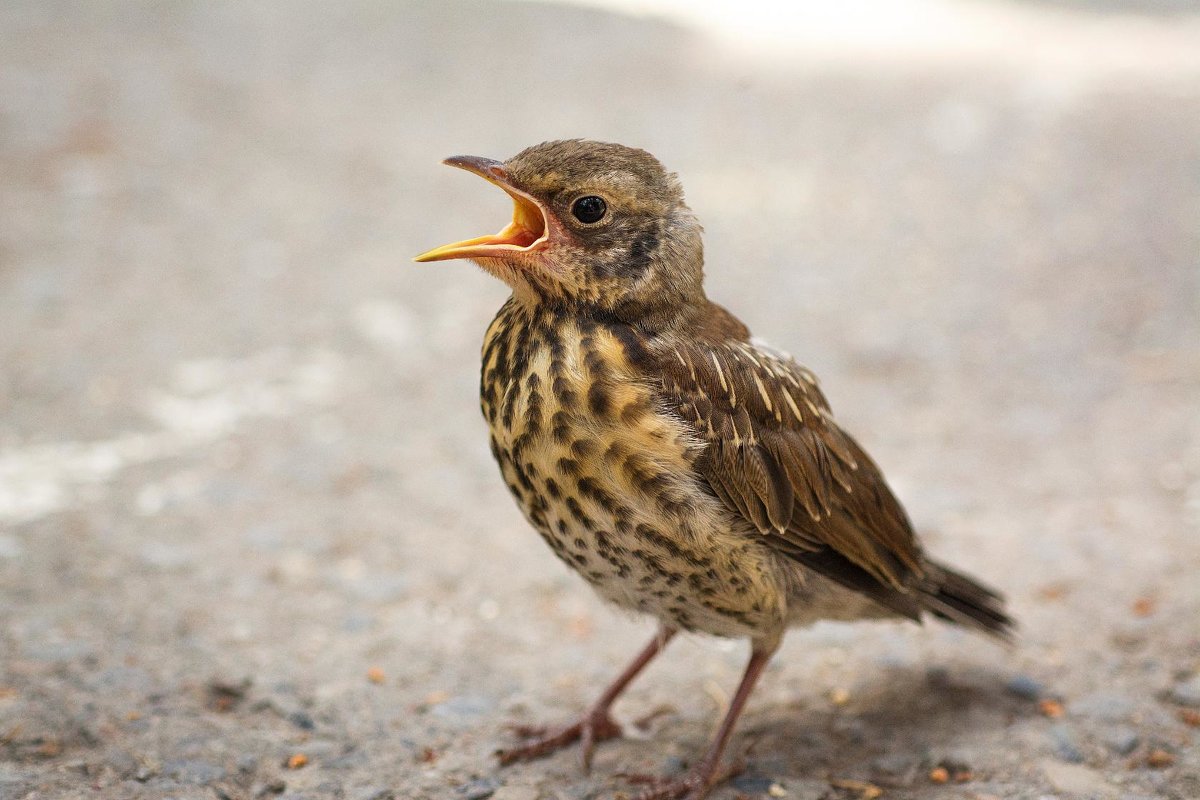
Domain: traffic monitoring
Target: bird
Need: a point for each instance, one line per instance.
(685, 469)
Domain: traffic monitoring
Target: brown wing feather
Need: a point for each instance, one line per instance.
(775, 456)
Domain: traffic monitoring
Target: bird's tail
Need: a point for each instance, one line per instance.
(953, 596)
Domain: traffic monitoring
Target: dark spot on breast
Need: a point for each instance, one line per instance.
(582, 448)
(616, 452)
(563, 391)
(533, 412)
(602, 541)
(595, 363)
(552, 488)
(560, 427)
(598, 398)
(578, 513)
(631, 343)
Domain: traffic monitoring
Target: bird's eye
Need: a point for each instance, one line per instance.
(589, 209)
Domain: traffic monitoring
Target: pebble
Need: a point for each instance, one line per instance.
(302, 720)
(516, 793)
(374, 793)
(1077, 779)
(193, 772)
(1025, 687)
(1187, 692)
(1105, 706)
(479, 789)
(464, 706)
(268, 788)
(896, 767)
(1121, 739)
(955, 759)
(1066, 745)
(752, 784)
(805, 789)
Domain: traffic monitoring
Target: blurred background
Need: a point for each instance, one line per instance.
(252, 543)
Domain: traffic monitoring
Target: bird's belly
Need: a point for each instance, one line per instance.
(615, 499)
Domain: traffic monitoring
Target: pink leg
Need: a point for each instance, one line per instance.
(708, 773)
(595, 725)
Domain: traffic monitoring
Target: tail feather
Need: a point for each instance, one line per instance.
(956, 598)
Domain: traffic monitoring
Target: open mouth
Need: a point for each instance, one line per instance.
(526, 233)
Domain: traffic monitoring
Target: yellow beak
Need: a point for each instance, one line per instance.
(527, 231)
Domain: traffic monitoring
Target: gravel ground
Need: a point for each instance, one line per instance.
(252, 543)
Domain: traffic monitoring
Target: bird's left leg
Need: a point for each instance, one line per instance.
(596, 724)
(708, 773)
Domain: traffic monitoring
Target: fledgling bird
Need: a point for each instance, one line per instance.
(683, 468)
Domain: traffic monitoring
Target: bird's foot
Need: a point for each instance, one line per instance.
(695, 784)
(594, 726)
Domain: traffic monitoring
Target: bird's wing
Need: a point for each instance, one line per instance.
(773, 454)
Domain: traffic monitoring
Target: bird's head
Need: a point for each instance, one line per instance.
(594, 224)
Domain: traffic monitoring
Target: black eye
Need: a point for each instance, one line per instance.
(589, 209)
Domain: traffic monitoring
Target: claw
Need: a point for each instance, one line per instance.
(693, 785)
(588, 730)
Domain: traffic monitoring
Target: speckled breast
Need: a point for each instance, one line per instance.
(604, 475)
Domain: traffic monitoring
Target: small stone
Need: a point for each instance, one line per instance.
(1051, 708)
(1187, 693)
(1145, 606)
(752, 784)
(1159, 758)
(1025, 687)
(193, 772)
(1121, 739)
(939, 775)
(376, 675)
(865, 790)
(516, 793)
(895, 768)
(954, 759)
(464, 706)
(1066, 746)
(374, 793)
(302, 720)
(673, 765)
(479, 789)
(805, 789)
(296, 761)
(1105, 706)
(269, 788)
(1077, 779)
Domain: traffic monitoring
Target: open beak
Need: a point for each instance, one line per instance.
(527, 232)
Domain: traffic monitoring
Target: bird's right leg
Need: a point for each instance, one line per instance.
(595, 725)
